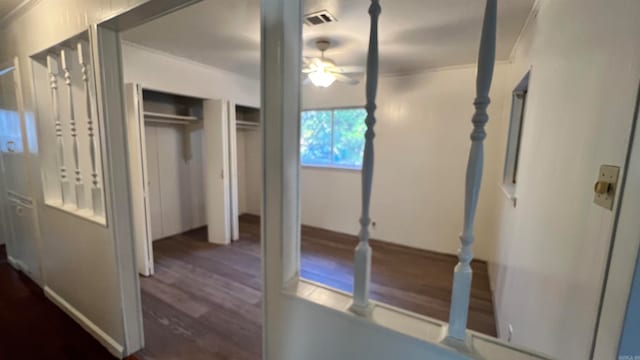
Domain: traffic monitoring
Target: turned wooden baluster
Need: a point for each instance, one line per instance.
(463, 273)
(96, 192)
(362, 273)
(52, 68)
(79, 186)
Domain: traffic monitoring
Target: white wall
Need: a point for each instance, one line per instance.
(164, 72)
(421, 149)
(620, 313)
(551, 249)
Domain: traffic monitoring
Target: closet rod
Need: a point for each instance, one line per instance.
(248, 124)
(168, 122)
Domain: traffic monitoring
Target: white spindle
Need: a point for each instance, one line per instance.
(53, 68)
(79, 186)
(96, 192)
(362, 272)
(463, 273)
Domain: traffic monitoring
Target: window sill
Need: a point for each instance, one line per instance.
(509, 191)
(407, 323)
(331, 167)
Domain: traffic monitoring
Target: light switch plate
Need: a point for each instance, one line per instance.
(609, 174)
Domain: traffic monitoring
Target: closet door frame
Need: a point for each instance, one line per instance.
(220, 174)
(139, 176)
(217, 170)
(233, 172)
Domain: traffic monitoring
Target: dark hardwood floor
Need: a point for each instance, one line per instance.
(204, 302)
(32, 327)
(415, 280)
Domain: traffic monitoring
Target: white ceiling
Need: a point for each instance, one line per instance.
(6, 6)
(414, 34)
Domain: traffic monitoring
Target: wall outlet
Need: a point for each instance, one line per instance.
(373, 225)
(510, 332)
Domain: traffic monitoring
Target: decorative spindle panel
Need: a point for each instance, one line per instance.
(463, 273)
(78, 185)
(69, 128)
(362, 272)
(96, 192)
(53, 73)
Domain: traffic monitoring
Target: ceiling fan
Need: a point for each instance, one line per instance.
(322, 71)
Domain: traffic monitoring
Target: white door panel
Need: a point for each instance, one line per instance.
(173, 181)
(22, 217)
(139, 178)
(153, 183)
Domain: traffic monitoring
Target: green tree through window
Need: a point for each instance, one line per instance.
(333, 138)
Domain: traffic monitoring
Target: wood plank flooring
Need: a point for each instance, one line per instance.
(204, 302)
(32, 327)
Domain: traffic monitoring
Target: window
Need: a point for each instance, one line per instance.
(519, 100)
(10, 135)
(333, 137)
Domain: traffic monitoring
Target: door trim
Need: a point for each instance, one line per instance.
(621, 262)
(139, 177)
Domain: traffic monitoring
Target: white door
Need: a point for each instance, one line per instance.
(153, 182)
(19, 228)
(139, 179)
(22, 220)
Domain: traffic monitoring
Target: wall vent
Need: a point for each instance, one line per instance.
(319, 18)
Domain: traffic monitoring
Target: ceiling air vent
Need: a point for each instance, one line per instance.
(319, 18)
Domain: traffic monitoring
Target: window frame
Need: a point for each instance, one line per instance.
(514, 136)
(331, 165)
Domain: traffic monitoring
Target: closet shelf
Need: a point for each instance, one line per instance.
(169, 118)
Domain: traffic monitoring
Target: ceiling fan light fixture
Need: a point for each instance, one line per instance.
(321, 78)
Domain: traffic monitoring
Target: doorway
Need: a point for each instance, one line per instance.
(185, 162)
(192, 132)
(17, 210)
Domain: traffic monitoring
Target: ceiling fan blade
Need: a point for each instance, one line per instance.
(350, 69)
(346, 79)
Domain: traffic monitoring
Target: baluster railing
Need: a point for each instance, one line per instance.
(96, 192)
(463, 273)
(52, 69)
(78, 184)
(362, 273)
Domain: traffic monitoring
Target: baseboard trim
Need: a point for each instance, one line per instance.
(17, 264)
(108, 342)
